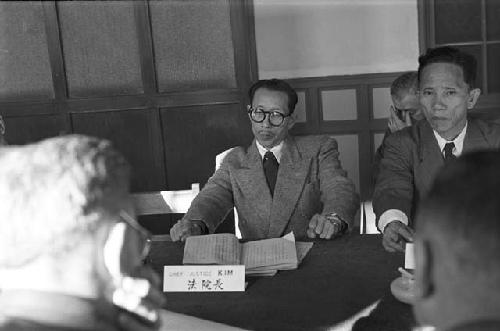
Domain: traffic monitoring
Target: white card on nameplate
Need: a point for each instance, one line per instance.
(409, 256)
(204, 278)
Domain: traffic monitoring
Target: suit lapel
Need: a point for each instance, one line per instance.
(292, 173)
(252, 183)
(430, 156)
(474, 139)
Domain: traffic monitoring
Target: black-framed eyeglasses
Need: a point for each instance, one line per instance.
(259, 115)
(144, 234)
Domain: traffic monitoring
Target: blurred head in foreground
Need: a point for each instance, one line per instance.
(457, 246)
(66, 219)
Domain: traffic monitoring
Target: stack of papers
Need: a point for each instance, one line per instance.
(261, 257)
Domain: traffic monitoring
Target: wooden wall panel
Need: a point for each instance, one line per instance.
(193, 44)
(101, 48)
(27, 129)
(106, 68)
(355, 126)
(24, 59)
(136, 133)
(193, 136)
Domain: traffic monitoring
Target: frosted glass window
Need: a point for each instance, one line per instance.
(100, 47)
(377, 140)
(492, 15)
(349, 156)
(193, 44)
(457, 21)
(24, 58)
(381, 102)
(339, 105)
(493, 52)
(300, 108)
(476, 51)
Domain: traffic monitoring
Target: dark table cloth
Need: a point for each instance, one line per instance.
(336, 280)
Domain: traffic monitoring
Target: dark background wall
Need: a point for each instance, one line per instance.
(166, 81)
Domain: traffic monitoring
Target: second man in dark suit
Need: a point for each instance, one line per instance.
(413, 156)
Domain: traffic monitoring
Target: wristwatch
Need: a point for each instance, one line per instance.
(334, 218)
(201, 225)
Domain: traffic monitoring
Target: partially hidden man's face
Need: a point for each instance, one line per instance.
(271, 101)
(445, 98)
(408, 102)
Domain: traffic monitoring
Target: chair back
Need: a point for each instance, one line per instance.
(367, 224)
(164, 202)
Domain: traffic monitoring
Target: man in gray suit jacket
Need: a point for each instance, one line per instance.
(279, 183)
(413, 156)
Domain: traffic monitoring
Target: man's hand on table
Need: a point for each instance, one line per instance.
(325, 226)
(185, 228)
(396, 235)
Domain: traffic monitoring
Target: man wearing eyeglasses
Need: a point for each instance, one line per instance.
(71, 254)
(279, 183)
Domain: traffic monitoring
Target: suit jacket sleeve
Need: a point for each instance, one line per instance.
(394, 188)
(379, 154)
(215, 200)
(338, 193)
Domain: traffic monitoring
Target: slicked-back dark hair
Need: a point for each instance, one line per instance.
(276, 85)
(447, 54)
(463, 209)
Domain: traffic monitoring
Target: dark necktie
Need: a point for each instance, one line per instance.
(448, 152)
(271, 170)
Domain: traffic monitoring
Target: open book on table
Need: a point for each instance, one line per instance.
(262, 257)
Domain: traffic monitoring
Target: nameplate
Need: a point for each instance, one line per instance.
(409, 257)
(204, 278)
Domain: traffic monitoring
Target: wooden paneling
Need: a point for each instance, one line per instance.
(195, 135)
(136, 133)
(27, 129)
(100, 70)
(381, 97)
(339, 105)
(24, 60)
(193, 44)
(100, 47)
(356, 135)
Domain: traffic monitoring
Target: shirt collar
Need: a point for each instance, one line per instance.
(276, 150)
(458, 141)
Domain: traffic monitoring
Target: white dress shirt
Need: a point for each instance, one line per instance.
(276, 150)
(391, 215)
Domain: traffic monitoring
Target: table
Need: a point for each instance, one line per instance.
(337, 279)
